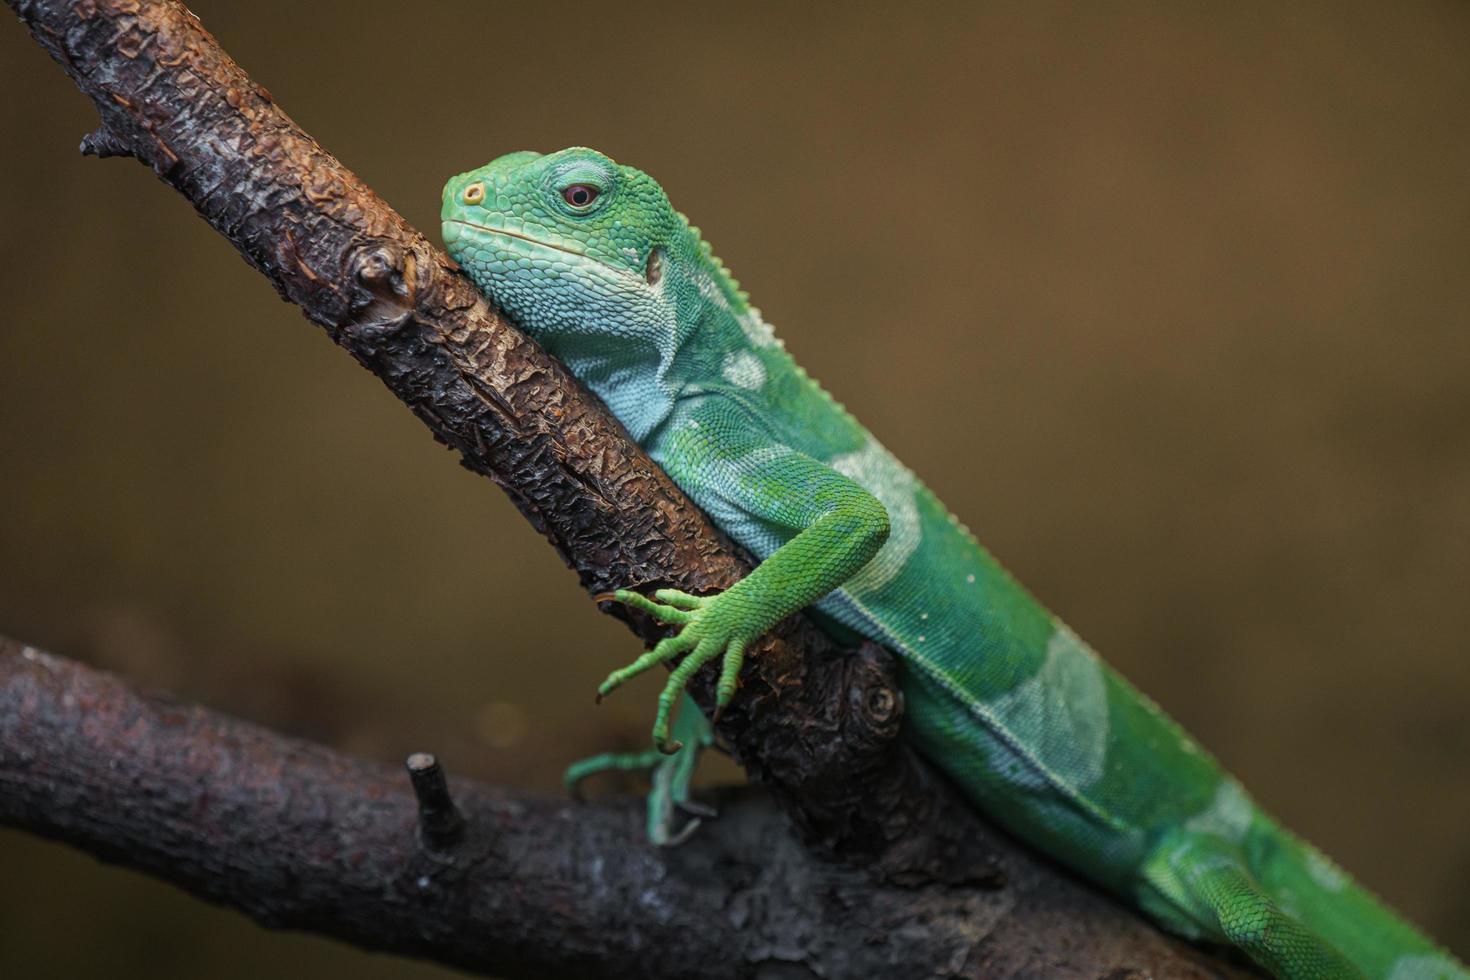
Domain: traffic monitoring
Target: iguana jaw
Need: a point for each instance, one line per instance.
(618, 271)
(513, 234)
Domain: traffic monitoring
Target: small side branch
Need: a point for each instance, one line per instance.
(100, 143)
(441, 825)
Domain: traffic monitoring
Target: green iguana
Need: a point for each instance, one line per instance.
(591, 259)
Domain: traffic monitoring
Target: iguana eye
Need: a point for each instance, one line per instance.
(474, 194)
(580, 195)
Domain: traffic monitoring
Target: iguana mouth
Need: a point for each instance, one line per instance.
(513, 234)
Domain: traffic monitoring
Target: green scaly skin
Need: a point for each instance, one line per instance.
(592, 260)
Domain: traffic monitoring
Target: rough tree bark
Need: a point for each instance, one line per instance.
(299, 836)
(815, 725)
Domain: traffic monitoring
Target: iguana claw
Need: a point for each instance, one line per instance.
(710, 629)
(698, 809)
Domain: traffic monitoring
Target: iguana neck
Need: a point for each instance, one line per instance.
(716, 322)
(642, 377)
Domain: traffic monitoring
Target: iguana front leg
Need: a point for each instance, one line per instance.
(832, 527)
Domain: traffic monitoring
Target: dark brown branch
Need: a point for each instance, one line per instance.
(298, 836)
(169, 96)
(814, 724)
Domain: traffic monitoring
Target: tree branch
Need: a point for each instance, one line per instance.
(814, 724)
(298, 836)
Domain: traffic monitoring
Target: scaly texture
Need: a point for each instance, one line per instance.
(591, 259)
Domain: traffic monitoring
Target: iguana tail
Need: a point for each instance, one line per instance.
(1287, 906)
(1332, 905)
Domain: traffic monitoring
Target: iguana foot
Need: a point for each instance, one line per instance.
(672, 775)
(1201, 884)
(713, 626)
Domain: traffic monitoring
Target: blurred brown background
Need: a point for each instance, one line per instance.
(1169, 304)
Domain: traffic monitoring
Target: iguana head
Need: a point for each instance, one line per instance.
(569, 244)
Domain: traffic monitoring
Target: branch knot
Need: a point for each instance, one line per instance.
(385, 275)
(103, 142)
